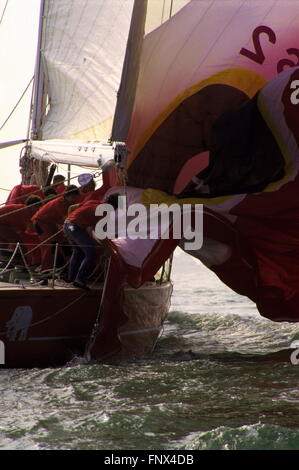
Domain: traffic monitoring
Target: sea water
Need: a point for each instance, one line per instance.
(216, 380)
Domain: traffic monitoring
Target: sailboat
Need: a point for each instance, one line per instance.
(204, 114)
(83, 53)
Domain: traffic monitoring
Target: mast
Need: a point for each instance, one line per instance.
(34, 171)
(128, 83)
(127, 90)
(38, 81)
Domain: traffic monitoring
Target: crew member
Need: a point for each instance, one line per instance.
(48, 221)
(77, 228)
(99, 194)
(49, 193)
(15, 220)
(87, 186)
(21, 192)
(59, 184)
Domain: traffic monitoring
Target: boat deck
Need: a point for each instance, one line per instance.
(9, 286)
(34, 287)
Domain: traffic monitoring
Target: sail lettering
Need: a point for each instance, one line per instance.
(258, 55)
(295, 94)
(290, 63)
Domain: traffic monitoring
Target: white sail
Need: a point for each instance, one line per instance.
(82, 53)
(84, 45)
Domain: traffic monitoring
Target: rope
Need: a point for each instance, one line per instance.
(32, 205)
(18, 247)
(43, 242)
(63, 308)
(12, 257)
(54, 265)
(3, 12)
(95, 175)
(94, 332)
(17, 104)
(46, 244)
(35, 247)
(25, 262)
(18, 210)
(171, 7)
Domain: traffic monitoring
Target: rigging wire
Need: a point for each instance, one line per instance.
(163, 9)
(171, 7)
(17, 104)
(29, 126)
(32, 193)
(2, 16)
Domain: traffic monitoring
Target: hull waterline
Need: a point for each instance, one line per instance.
(46, 327)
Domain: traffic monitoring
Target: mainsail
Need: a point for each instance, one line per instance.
(86, 48)
(81, 57)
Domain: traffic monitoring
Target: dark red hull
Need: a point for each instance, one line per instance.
(44, 327)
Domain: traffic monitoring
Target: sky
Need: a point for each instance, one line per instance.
(18, 36)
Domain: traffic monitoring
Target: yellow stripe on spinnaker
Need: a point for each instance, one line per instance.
(244, 80)
(154, 196)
